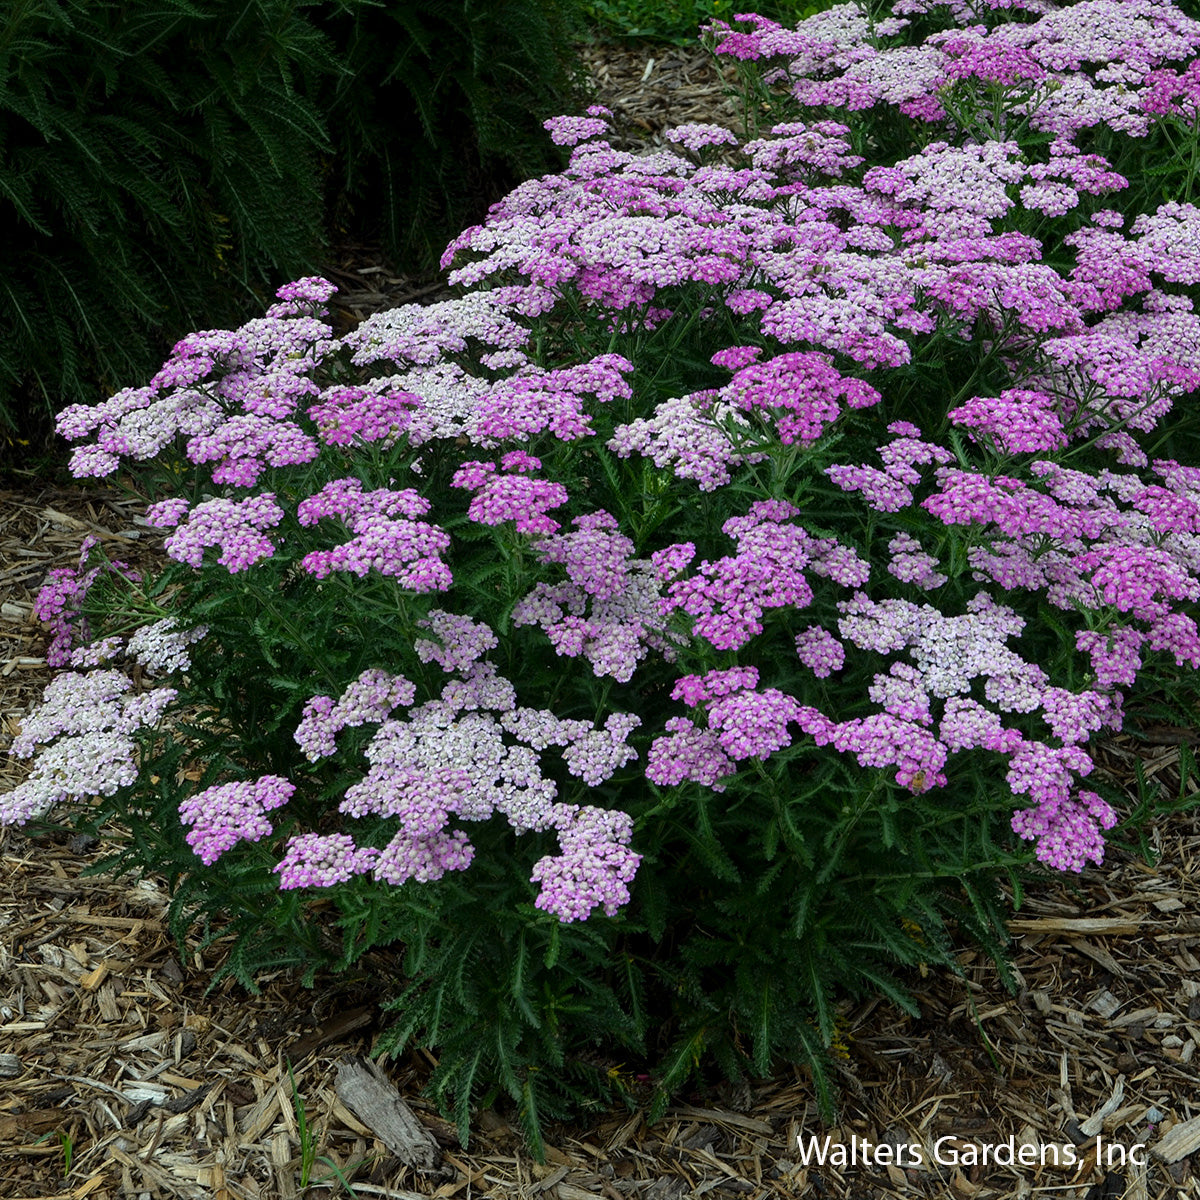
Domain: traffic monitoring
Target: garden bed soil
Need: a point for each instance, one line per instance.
(114, 1056)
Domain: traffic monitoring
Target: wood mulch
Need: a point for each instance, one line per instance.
(117, 1063)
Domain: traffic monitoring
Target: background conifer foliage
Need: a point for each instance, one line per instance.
(164, 166)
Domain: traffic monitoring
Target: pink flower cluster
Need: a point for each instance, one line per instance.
(387, 537)
(513, 495)
(236, 527)
(803, 392)
(376, 412)
(517, 408)
(229, 813)
(728, 598)
(59, 604)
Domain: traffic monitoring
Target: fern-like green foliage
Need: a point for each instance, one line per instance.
(439, 112)
(158, 164)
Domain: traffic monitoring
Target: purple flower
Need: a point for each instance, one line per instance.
(594, 869)
(234, 526)
(513, 497)
(386, 538)
(820, 651)
(229, 813)
(322, 860)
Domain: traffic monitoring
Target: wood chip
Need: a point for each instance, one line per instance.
(1095, 1123)
(1076, 926)
(368, 1093)
(1179, 1141)
(1105, 1004)
(93, 979)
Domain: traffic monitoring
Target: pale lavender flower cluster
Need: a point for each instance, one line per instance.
(691, 435)
(159, 648)
(796, 150)
(452, 758)
(230, 397)
(595, 556)
(96, 653)
(82, 734)
(594, 869)
(414, 335)
(570, 131)
(698, 136)
(387, 536)
(890, 488)
(368, 700)
(1092, 63)
(162, 647)
(614, 633)
(322, 860)
(460, 640)
(236, 527)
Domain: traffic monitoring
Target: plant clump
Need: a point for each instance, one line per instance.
(692, 621)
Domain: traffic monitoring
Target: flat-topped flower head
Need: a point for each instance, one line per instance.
(229, 813)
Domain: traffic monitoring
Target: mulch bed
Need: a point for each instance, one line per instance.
(113, 1054)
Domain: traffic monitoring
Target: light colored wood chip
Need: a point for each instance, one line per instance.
(1178, 1142)
(1076, 926)
(1095, 1123)
(363, 1089)
(94, 978)
(1105, 1004)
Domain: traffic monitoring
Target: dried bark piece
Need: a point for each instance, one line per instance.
(1179, 1141)
(373, 1098)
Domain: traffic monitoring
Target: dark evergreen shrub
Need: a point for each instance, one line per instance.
(440, 111)
(161, 162)
(158, 164)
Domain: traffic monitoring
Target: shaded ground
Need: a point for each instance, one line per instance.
(114, 1058)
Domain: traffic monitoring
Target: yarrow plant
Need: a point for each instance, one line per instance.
(689, 622)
